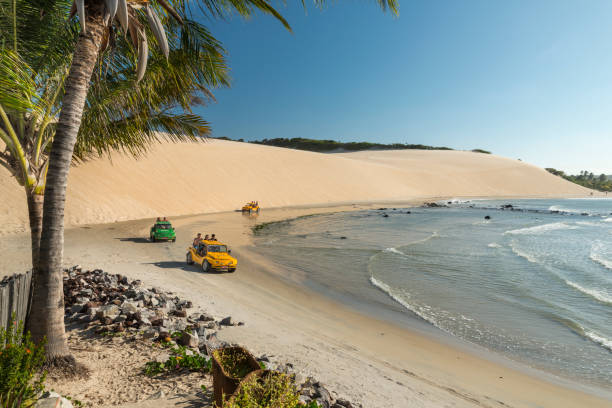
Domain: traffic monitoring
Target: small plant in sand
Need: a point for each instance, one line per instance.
(179, 360)
(272, 389)
(21, 374)
(234, 362)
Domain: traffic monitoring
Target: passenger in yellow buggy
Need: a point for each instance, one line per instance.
(197, 239)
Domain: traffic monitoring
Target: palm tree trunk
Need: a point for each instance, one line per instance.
(47, 311)
(35, 212)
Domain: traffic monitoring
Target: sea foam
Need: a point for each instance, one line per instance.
(541, 229)
(597, 256)
(393, 295)
(394, 251)
(594, 293)
(606, 343)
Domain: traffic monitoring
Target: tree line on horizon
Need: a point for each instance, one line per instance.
(587, 179)
(327, 146)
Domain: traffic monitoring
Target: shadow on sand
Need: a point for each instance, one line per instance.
(182, 266)
(174, 265)
(138, 240)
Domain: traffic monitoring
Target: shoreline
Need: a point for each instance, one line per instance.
(344, 348)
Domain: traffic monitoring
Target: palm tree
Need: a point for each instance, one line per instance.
(97, 20)
(118, 113)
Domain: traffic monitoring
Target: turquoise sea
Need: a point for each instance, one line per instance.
(533, 282)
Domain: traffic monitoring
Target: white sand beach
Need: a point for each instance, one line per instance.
(364, 359)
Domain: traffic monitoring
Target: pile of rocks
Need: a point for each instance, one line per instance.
(115, 304)
(309, 388)
(110, 303)
(312, 390)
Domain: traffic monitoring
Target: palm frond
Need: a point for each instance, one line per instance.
(17, 88)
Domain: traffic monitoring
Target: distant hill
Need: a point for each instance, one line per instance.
(586, 179)
(332, 146)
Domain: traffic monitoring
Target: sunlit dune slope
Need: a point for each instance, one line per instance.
(187, 178)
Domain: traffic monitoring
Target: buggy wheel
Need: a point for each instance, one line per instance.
(189, 259)
(205, 266)
(152, 238)
(232, 270)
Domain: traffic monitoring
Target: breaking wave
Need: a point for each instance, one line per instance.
(595, 294)
(393, 295)
(541, 229)
(394, 251)
(598, 257)
(606, 343)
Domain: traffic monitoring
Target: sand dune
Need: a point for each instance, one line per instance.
(190, 178)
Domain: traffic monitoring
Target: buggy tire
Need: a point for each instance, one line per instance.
(232, 270)
(189, 259)
(153, 238)
(205, 266)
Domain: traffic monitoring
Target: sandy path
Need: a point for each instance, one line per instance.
(361, 358)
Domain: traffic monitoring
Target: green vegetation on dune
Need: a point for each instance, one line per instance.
(586, 179)
(314, 145)
(327, 146)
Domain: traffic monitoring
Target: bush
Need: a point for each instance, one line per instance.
(235, 363)
(179, 360)
(271, 389)
(21, 376)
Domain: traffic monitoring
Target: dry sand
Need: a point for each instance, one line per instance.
(364, 359)
(195, 178)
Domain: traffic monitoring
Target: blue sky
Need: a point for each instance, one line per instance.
(524, 79)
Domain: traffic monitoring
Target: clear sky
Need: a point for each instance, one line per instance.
(524, 79)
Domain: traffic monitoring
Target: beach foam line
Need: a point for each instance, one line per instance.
(541, 229)
(394, 251)
(524, 255)
(393, 295)
(587, 334)
(560, 208)
(607, 219)
(494, 245)
(598, 257)
(606, 343)
(596, 294)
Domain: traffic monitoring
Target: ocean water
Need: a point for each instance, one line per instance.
(533, 282)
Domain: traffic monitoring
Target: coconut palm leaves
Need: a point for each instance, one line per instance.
(127, 13)
(121, 116)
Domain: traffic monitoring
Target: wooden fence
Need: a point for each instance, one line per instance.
(14, 298)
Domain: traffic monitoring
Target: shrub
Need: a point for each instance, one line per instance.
(235, 363)
(271, 389)
(21, 376)
(179, 360)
